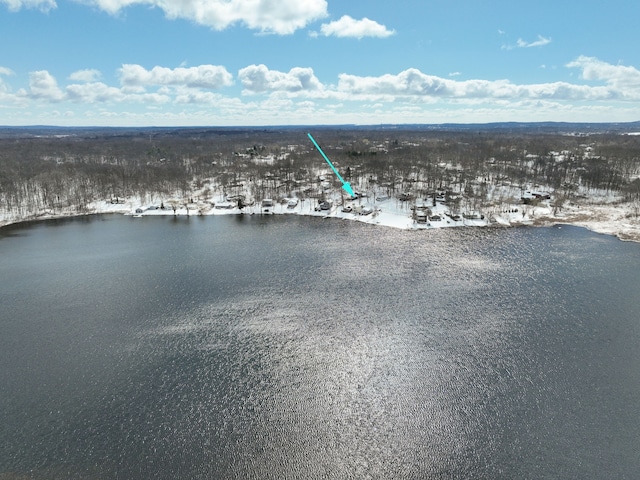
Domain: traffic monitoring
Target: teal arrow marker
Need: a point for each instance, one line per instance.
(345, 185)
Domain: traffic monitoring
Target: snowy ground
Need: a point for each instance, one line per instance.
(619, 220)
(600, 214)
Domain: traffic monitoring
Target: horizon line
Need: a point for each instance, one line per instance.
(325, 125)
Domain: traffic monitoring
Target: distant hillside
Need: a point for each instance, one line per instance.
(496, 127)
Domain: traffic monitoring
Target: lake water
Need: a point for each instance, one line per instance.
(293, 347)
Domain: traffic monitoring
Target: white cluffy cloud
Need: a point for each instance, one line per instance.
(350, 27)
(43, 86)
(89, 75)
(259, 79)
(281, 16)
(203, 76)
(15, 5)
(620, 77)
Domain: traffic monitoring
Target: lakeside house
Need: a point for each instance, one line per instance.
(267, 205)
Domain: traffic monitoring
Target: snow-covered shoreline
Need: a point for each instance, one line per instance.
(618, 219)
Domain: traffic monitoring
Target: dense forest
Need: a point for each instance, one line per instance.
(61, 170)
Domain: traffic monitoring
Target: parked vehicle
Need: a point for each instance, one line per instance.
(324, 206)
(366, 211)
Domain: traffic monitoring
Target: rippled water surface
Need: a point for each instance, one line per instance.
(248, 347)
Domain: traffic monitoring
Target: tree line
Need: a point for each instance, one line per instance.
(69, 169)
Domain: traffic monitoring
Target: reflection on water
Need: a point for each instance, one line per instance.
(249, 347)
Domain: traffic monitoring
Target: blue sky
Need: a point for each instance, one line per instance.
(287, 62)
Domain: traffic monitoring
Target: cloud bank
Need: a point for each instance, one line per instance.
(618, 82)
(260, 94)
